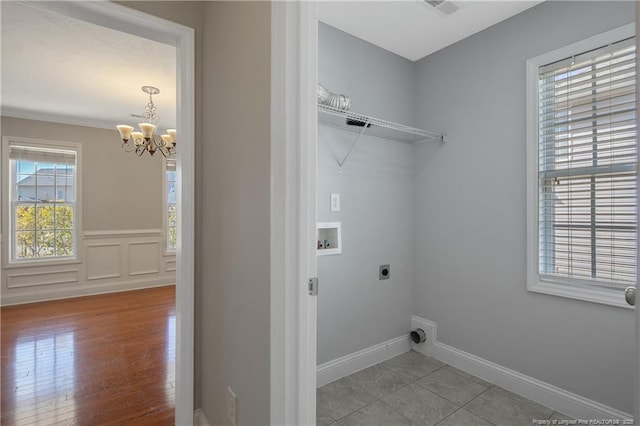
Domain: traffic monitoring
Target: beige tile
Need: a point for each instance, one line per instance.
(376, 414)
(455, 388)
(420, 405)
(464, 418)
(468, 376)
(322, 417)
(341, 397)
(413, 365)
(378, 380)
(502, 409)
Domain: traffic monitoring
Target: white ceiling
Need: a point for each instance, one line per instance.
(73, 71)
(412, 28)
(62, 69)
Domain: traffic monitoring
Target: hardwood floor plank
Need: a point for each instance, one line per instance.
(107, 359)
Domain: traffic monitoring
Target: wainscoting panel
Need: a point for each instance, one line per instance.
(170, 264)
(41, 278)
(144, 257)
(109, 261)
(103, 260)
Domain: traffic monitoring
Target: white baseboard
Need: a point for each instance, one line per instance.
(48, 295)
(199, 419)
(565, 402)
(349, 364)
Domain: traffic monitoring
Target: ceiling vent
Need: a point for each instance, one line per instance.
(445, 7)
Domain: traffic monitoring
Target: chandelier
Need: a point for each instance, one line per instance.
(145, 140)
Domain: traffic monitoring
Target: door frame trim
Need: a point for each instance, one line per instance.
(131, 21)
(294, 41)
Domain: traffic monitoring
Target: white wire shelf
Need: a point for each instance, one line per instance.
(338, 118)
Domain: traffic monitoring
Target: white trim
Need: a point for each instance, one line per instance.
(59, 294)
(293, 191)
(199, 418)
(352, 363)
(535, 283)
(50, 275)
(56, 118)
(122, 18)
(117, 233)
(563, 401)
(7, 180)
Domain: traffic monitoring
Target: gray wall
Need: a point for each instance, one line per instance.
(110, 176)
(355, 309)
(379, 82)
(470, 212)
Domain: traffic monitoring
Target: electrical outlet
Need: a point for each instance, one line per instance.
(232, 407)
(335, 202)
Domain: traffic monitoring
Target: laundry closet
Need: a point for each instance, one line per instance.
(365, 195)
(422, 216)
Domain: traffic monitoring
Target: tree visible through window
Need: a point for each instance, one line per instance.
(43, 188)
(171, 210)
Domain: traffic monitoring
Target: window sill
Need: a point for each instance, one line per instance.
(170, 253)
(610, 297)
(41, 263)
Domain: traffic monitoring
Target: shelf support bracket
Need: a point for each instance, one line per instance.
(364, 128)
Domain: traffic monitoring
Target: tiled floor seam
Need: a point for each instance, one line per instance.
(473, 399)
(460, 408)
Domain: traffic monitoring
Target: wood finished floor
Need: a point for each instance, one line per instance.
(95, 360)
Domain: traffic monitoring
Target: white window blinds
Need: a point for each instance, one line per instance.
(587, 177)
(42, 155)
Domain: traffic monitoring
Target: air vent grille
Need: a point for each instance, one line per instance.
(445, 7)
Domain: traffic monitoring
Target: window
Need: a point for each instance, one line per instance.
(582, 164)
(42, 199)
(170, 205)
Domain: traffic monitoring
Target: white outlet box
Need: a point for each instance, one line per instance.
(232, 407)
(335, 202)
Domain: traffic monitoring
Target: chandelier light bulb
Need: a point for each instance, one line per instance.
(137, 138)
(167, 140)
(125, 131)
(172, 135)
(147, 129)
(146, 140)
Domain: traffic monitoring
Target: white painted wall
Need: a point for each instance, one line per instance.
(355, 309)
(470, 231)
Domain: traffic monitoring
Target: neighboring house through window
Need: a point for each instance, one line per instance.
(582, 154)
(43, 199)
(170, 217)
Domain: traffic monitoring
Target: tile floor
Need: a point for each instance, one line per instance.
(412, 389)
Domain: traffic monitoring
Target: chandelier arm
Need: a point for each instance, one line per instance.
(148, 144)
(128, 147)
(164, 152)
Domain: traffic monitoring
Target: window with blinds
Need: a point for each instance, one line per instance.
(43, 188)
(171, 210)
(587, 177)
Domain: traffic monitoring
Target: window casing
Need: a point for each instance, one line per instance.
(170, 211)
(43, 213)
(582, 169)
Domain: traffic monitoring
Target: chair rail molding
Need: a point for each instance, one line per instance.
(110, 261)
